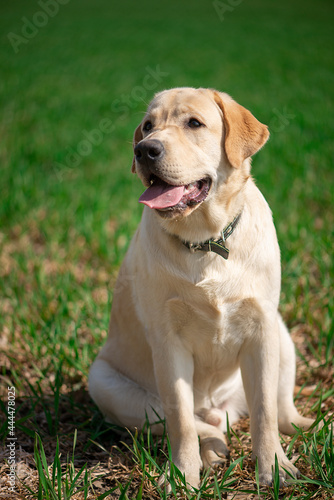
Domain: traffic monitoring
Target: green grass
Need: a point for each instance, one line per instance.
(68, 210)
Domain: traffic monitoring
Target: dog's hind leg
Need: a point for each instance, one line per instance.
(122, 401)
(287, 412)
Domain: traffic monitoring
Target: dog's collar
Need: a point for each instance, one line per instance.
(217, 245)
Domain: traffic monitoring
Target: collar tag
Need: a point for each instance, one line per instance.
(216, 246)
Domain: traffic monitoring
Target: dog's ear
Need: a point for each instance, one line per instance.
(137, 137)
(244, 134)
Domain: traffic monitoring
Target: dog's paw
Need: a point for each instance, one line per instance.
(191, 475)
(306, 423)
(214, 451)
(286, 471)
(164, 484)
(290, 428)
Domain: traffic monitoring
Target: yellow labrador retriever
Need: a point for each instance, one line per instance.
(195, 334)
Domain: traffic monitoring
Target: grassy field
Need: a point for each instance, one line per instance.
(75, 80)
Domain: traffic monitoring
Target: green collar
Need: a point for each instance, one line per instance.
(218, 245)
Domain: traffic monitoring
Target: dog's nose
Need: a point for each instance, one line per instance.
(149, 151)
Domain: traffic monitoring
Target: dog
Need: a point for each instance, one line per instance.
(195, 334)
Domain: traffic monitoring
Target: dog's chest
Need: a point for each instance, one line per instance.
(214, 341)
(204, 324)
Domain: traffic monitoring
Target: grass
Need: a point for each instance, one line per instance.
(71, 96)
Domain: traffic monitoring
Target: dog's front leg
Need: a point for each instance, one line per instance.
(174, 368)
(259, 362)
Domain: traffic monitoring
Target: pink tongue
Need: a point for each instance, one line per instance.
(162, 195)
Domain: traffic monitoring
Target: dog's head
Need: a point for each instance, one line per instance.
(189, 144)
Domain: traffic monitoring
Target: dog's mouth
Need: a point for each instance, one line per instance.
(166, 197)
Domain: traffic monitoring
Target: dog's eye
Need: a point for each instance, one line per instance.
(147, 126)
(193, 123)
